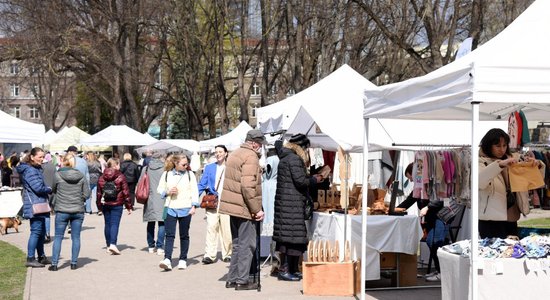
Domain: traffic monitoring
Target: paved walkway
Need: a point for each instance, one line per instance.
(135, 273)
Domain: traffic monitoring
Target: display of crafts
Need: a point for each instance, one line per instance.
(533, 246)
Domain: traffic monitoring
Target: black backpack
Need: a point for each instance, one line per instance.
(109, 191)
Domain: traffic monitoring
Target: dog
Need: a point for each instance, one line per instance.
(6, 223)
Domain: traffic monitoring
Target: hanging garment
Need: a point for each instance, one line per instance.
(525, 176)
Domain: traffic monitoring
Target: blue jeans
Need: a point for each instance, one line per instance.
(61, 222)
(91, 198)
(36, 239)
(112, 216)
(151, 235)
(47, 222)
(170, 228)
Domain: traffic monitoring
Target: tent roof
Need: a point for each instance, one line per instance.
(65, 138)
(331, 111)
(15, 130)
(171, 145)
(327, 91)
(508, 73)
(118, 135)
(232, 140)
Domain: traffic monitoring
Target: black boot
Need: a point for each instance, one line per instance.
(31, 262)
(44, 260)
(284, 273)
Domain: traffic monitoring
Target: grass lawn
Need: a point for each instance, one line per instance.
(535, 223)
(12, 272)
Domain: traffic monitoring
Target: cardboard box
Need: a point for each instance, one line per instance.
(407, 267)
(331, 279)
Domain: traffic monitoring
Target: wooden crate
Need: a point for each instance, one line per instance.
(407, 267)
(331, 279)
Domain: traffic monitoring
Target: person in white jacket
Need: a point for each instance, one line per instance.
(495, 218)
(178, 186)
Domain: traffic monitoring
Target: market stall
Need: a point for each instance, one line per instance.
(508, 73)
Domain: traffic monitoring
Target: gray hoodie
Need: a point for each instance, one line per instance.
(71, 190)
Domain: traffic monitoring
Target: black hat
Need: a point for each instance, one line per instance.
(256, 136)
(72, 149)
(300, 140)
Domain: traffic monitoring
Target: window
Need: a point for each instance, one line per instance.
(254, 108)
(255, 90)
(35, 112)
(34, 90)
(16, 111)
(14, 89)
(14, 68)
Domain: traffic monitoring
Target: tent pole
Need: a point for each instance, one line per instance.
(474, 259)
(364, 209)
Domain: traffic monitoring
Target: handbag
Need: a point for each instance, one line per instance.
(211, 200)
(39, 208)
(448, 213)
(142, 188)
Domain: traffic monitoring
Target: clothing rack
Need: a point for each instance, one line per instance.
(430, 145)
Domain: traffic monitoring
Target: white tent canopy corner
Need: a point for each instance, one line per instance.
(15, 130)
(344, 84)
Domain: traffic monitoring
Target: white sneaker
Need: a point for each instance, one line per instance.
(160, 252)
(151, 250)
(114, 250)
(182, 265)
(430, 274)
(434, 278)
(166, 264)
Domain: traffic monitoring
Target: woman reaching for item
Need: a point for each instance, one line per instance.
(178, 186)
(35, 191)
(495, 218)
(71, 190)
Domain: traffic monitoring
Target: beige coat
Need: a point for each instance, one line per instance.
(242, 186)
(492, 193)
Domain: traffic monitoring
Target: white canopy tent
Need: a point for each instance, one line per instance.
(118, 135)
(508, 73)
(340, 85)
(71, 136)
(330, 111)
(15, 130)
(171, 145)
(232, 140)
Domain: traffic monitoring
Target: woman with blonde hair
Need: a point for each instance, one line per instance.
(178, 188)
(70, 190)
(94, 169)
(112, 195)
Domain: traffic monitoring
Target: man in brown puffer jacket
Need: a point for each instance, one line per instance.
(242, 201)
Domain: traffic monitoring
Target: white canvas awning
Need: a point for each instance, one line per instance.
(118, 135)
(15, 130)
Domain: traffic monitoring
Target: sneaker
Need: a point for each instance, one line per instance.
(151, 250)
(430, 274)
(160, 252)
(182, 265)
(207, 260)
(434, 278)
(165, 264)
(114, 250)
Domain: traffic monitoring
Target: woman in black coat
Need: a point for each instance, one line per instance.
(293, 181)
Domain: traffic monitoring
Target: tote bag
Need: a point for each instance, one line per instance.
(142, 188)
